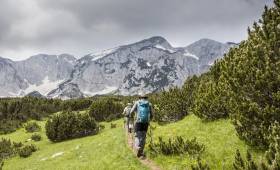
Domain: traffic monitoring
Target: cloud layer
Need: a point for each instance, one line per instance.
(83, 26)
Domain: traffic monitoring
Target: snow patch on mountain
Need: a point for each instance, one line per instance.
(211, 63)
(188, 54)
(20, 93)
(163, 48)
(99, 55)
(44, 88)
(106, 90)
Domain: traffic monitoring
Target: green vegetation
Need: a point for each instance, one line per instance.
(176, 146)
(200, 165)
(36, 137)
(243, 86)
(69, 125)
(16, 111)
(107, 150)
(6, 148)
(106, 109)
(219, 137)
(9, 149)
(27, 151)
(32, 127)
(235, 106)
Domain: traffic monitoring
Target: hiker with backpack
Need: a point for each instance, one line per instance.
(143, 109)
(128, 118)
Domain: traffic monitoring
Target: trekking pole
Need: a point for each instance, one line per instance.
(132, 134)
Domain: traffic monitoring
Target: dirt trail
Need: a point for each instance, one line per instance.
(147, 162)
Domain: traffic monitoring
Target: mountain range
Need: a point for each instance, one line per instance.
(146, 66)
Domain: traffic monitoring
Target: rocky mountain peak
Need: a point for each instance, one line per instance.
(149, 65)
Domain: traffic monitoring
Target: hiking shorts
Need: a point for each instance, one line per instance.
(141, 126)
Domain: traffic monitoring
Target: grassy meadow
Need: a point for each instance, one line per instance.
(219, 137)
(108, 149)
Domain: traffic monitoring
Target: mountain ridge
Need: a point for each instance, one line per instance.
(148, 65)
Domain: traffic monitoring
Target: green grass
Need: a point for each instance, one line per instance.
(219, 137)
(106, 150)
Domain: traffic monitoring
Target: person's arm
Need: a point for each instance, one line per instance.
(133, 109)
(124, 111)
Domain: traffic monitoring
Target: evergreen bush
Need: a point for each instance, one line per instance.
(9, 126)
(6, 148)
(36, 137)
(171, 105)
(17, 144)
(27, 151)
(32, 127)
(69, 125)
(200, 165)
(106, 110)
(176, 146)
(252, 72)
(1, 164)
(210, 100)
(245, 164)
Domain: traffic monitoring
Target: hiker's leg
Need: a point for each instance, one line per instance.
(137, 140)
(128, 123)
(142, 141)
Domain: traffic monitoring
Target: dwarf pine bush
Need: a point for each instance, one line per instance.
(69, 125)
(176, 146)
(27, 150)
(32, 127)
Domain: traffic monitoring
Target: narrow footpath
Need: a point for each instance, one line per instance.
(147, 162)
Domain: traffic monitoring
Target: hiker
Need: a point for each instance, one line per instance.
(143, 110)
(127, 117)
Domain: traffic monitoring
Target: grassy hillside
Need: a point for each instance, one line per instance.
(219, 137)
(106, 150)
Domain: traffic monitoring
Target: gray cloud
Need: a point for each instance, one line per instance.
(83, 26)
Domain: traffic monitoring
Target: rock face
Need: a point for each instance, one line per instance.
(35, 94)
(41, 73)
(36, 68)
(148, 66)
(65, 91)
(10, 81)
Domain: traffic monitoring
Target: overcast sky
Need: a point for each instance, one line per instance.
(79, 27)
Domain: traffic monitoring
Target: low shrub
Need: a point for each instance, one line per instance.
(176, 146)
(17, 144)
(244, 164)
(69, 125)
(32, 127)
(1, 164)
(113, 125)
(36, 137)
(6, 148)
(101, 126)
(9, 126)
(200, 165)
(105, 110)
(171, 105)
(272, 155)
(27, 150)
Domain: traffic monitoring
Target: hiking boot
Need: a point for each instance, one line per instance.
(142, 157)
(139, 153)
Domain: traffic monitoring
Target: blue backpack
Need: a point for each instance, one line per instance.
(143, 111)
